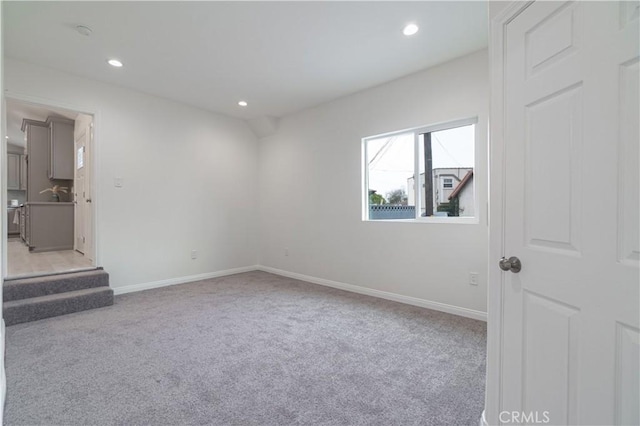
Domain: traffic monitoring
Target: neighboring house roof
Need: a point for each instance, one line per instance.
(466, 179)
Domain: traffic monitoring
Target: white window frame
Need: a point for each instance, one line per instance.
(417, 131)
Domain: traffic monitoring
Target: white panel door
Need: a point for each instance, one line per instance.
(89, 246)
(81, 134)
(571, 315)
(83, 224)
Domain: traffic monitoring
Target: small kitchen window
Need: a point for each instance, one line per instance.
(80, 158)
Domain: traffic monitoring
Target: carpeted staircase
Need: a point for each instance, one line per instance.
(32, 299)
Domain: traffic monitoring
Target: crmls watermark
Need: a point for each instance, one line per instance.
(524, 417)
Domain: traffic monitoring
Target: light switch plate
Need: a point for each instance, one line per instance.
(117, 182)
(473, 278)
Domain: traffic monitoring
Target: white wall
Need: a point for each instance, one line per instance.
(310, 191)
(189, 178)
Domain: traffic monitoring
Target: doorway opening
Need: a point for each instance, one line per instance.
(49, 192)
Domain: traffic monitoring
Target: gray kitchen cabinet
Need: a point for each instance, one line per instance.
(38, 162)
(23, 223)
(12, 228)
(60, 148)
(16, 172)
(26, 225)
(37, 139)
(13, 171)
(23, 172)
(49, 226)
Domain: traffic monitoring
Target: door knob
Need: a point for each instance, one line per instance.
(511, 264)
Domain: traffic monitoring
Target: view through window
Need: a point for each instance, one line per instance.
(441, 159)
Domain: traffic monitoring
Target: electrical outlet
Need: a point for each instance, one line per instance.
(194, 254)
(286, 251)
(473, 278)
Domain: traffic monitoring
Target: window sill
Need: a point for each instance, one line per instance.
(442, 220)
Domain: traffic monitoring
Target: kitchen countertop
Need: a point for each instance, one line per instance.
(62, 203)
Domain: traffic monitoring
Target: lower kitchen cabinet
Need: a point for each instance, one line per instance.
(23, 223)
(49, 226)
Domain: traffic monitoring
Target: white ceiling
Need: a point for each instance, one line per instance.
(281, 57)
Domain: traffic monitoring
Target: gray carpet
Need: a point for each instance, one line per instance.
(248, 349)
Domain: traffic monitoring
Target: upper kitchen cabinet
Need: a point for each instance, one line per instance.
(13, 171)
(45, 146)
(23, 173)
(16, 169)
(60, 148)
(37, 139)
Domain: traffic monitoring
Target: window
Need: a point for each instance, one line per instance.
(440, 158)
(80, 158)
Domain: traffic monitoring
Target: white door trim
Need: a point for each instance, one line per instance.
(90, 110)
(497, 146)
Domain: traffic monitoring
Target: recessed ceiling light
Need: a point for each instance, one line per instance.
(83, 30)
(410, 29)
(243, 103)
(114, 63)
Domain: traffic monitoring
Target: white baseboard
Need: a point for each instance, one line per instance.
(181, 280)
(437, 306)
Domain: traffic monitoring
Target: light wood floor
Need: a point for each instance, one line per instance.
(21, 262)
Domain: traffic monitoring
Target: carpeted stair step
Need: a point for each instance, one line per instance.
(36, 308)
(26, 288)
